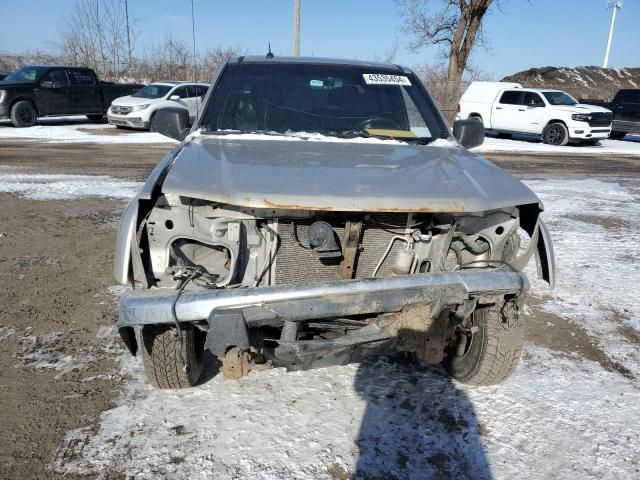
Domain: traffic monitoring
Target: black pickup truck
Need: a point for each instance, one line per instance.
(626, 111)
(39, 91)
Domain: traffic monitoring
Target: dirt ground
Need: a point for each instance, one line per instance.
(56, 267)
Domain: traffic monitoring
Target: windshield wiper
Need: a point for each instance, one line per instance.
(244, 132)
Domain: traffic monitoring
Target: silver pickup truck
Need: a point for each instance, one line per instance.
(319, 211)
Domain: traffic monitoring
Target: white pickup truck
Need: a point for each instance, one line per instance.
(553, 114)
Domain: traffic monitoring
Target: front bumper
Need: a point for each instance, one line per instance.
(130, 121)
(271, 305)
(587, 132)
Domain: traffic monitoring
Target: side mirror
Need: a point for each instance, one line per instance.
(470, 133)
(174, 97)
(172, 122)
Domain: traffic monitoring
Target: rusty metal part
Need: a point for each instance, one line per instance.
(350, 244)
(421, 329)
(236, 364)
(321, 300)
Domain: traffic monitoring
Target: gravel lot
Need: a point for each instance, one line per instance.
(73, 405)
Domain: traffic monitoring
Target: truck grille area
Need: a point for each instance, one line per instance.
(600, 119)
(297, 264)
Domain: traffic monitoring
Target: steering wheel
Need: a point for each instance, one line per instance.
(384, 121)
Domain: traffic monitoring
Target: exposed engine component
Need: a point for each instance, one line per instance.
(322, 238)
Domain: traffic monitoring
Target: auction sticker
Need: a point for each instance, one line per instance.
(384, 79)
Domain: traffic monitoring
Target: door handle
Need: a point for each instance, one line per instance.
(521, 109)
(498, 108)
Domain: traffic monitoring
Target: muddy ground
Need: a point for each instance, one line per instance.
(56, 267)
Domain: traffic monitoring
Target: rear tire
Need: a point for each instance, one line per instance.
(169, 363)
(494, 350)
(617, 135)
(556, 134)
(23, 114)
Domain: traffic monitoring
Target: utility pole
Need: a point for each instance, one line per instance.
(126, 13)
(617, 4)
(296, 27)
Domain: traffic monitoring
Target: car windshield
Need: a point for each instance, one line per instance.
(338, 100)
(26, 74)
(560, 98)
(152, 91)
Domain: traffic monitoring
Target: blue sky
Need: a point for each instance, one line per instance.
(525, 34)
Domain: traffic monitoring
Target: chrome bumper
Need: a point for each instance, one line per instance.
(302, 302)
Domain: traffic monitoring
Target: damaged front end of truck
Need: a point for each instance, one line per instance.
(321, 211)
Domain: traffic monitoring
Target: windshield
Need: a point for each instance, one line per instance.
(559, 98)
(26, 74)
(340, 100)
(152, 91)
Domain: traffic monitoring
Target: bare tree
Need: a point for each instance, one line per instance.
(456, 25)
(95, 35)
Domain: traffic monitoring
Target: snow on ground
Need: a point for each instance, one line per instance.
(78, 130)
(559, 416)
(595, 227)
(529, 144)
(49, 186)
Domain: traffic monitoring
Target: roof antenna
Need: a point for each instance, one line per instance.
(269, 53)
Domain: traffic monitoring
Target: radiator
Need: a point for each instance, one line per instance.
(296, 264)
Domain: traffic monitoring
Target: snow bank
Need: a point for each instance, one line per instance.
(62, 186)
(523, 144)
(76, 130)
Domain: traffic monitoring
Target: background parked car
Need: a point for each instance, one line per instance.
(555, 115)
(138, 110)
(626, 112)
(38, 91)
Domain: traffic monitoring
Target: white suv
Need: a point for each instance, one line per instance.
(138, 110)
(553, 114)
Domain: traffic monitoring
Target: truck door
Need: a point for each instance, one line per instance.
(84, 91)
(530, 115)
(52, 94)
(505, 111)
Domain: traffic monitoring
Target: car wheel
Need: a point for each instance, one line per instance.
(23, 114)
(170, 363)
(617, 135)
(489, 348)
(556, 134)
(96, 118)
(152, 124)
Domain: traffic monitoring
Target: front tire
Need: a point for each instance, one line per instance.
(492, 353)
(556, 134)
(169, 363)
(152, 123)
(23, 114)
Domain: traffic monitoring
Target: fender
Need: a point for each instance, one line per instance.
(139, 206)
